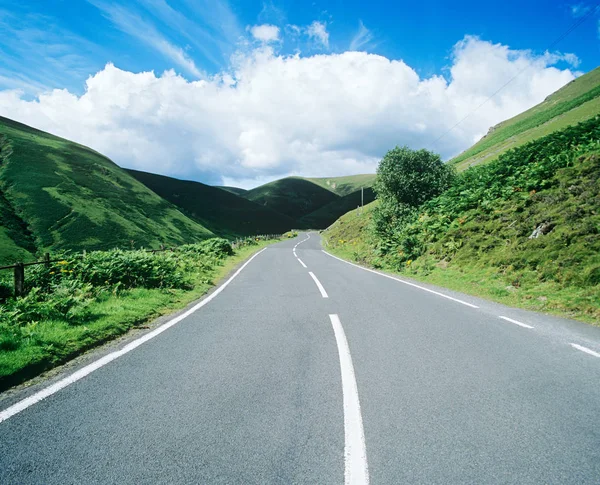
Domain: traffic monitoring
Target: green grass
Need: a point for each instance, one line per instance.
(233, 190)
(49, 343)
(292, 196)
(61, 195)
(474, 238)
(344, 185)
(577, 101)
(324, 216)
(222, 212)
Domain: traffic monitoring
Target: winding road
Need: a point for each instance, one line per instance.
(303, 368)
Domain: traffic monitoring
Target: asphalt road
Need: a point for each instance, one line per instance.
(257, 386)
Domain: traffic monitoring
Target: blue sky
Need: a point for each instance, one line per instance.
(58, 43)
(243, 92)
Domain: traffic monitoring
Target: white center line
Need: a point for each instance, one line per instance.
(516, 322)
(585, 349)
(403, 281)
(301, 262)
(88, 369)
(319, 285)
(355, 451)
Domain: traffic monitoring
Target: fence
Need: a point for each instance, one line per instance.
(19, 268)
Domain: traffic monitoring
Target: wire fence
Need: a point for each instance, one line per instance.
(19, 268)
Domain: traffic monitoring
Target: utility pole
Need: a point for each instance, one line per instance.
(362, 199)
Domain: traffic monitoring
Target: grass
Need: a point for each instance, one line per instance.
(48, 343)
(575, 102)
(61, 195)
(343, 186)
(475, 237)
(233, 190)
(293, 196)
(221, 211)
(324, 216)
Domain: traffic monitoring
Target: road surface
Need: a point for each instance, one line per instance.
(307, 369)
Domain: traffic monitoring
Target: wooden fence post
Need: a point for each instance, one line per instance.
(47, 260)
(19, 279)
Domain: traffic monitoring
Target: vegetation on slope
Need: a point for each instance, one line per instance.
(233, 190)
(292, 196)
(79, 303)
(577, 101)
(345, 185)
(475, 237)
(324, 216)
(222, 212)
(66, 196)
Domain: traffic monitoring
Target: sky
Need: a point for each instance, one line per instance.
(244, 92)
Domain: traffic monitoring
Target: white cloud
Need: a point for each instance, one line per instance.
(272, 115)
(318, 31)
(265, 33)
(362, 37)
(579, 10)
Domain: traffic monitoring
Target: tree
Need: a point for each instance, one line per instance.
(411, 177)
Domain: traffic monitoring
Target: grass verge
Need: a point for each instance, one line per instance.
(48, 343)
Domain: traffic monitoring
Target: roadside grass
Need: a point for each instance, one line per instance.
(30, 348)
(475, 237)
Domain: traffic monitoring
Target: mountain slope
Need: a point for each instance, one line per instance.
(61, 195)
(233, 190)
(221, 211)
(345, 185)
(577, 101)
(324, 216)
(292, 196)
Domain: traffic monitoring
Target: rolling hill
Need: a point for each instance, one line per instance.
(233, 190)
(221, 211)
(293, 196)
(56, 194)
(344, 185)
(325, 216)
(576, 102)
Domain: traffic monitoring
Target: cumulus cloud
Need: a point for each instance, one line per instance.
(265, 33)
(318, 32)
(271, 115)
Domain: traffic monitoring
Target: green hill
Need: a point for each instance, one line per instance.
(478, 236)
(577, 101)
(324, 216)
(233, 190)
(221, 211)
(56, 194)
(344, 185)
(292, 196)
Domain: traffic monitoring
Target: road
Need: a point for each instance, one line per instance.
(307, 369)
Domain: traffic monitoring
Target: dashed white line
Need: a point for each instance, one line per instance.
(88, 369)
(319, 285)
(355, 451)
(585, 349)
(403, 281)
(301, 262)
(521, 324)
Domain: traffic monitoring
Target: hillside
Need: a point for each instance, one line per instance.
(577, 101)
(233, 190)
(56, 194)
(478, 236)
(328, 214)
(221, 211)
(344, 185)
(293, 196)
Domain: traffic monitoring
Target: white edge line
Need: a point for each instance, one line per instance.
(356, 469)
(301, 262)
(88, 369)
(319, 285)
(515, 322)
(403, 281)
(585, 349)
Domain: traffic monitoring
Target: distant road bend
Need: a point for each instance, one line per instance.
(303, 368)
